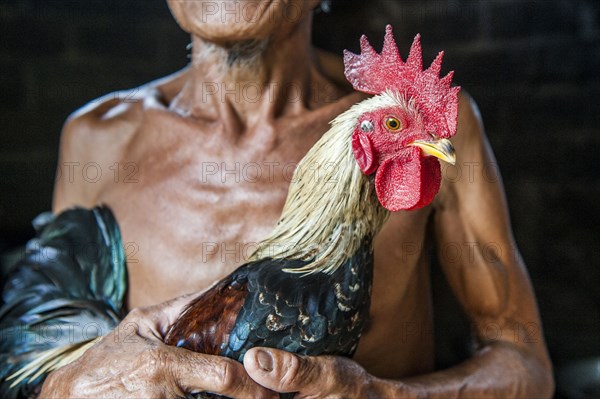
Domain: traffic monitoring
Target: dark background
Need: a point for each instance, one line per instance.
(533, 67)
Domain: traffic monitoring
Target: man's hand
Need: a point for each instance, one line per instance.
(133, 362)
(310, 377)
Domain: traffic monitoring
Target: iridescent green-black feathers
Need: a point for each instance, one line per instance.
(67, 288)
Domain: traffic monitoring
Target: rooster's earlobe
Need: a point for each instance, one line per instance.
(363, 152)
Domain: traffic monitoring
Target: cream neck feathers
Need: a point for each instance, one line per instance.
(331, 205)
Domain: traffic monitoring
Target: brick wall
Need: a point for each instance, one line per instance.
(533, 67)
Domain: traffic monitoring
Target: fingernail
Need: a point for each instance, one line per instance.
(265, 360)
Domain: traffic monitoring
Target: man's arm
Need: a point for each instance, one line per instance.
(490, 282)
(489, 279)
(133, 362)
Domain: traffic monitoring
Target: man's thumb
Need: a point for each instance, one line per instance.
(281, 371)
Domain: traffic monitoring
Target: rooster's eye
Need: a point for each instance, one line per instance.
(393, 124)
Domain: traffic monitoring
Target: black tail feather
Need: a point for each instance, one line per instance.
(69, 286)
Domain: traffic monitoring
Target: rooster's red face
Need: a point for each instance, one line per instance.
(406, 126)
(393, 142)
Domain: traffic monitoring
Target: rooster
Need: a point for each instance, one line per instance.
(306, 289)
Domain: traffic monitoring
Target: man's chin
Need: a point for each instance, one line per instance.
(223, 22)
(231, 35)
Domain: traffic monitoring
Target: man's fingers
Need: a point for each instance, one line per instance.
(195, 372)
(158, 318)
(170, 310)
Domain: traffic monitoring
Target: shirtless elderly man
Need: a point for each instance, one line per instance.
(197, 117)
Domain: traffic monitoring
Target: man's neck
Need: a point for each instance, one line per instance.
(244, 83)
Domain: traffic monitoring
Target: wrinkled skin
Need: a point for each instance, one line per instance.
(184, 228)
(133, 362)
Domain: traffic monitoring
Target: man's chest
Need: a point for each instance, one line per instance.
(181, 234)
(193, 200)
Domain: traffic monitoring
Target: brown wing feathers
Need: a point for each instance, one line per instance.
(208, 320)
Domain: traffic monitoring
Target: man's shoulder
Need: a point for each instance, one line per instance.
(113, 114)
(116, 115)
(98, 135)
(470, 130)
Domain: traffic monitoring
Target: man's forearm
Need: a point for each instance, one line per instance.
(499, 370)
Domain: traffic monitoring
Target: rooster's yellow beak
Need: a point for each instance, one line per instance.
(441, 149)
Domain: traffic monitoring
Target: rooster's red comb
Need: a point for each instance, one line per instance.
(375, 73)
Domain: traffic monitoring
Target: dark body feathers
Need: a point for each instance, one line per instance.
(67, 287)
(260, 304)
